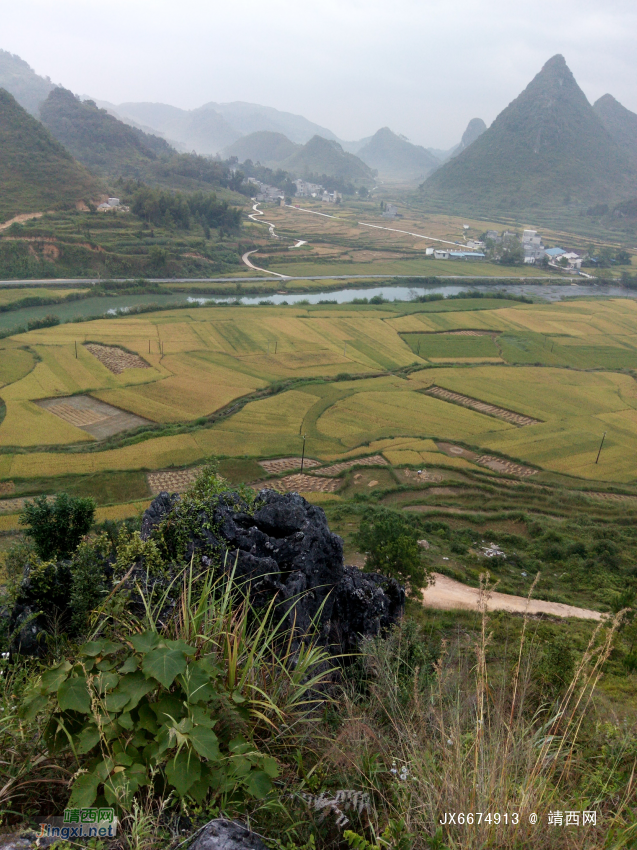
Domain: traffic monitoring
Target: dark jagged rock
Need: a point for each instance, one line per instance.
(221, 834)
(157, 510)
(286, 550)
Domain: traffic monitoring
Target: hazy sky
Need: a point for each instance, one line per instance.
(421, 67)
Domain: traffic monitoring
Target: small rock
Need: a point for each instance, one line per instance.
(424, 544)
(222, 834)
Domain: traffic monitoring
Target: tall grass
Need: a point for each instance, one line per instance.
(477, 736)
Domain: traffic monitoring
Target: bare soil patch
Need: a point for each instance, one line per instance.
(498, 464)
(337, 468)
(611, 497)
(408, 476)
(283, 464)
(11, 506)
(116, 359)
(299, 483)
(172, 480)
(481, 406)
(6, 488)
(448, 594)
(97, 418)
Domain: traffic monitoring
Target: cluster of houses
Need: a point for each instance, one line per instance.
(264, 192)
(112, 204)
(443, 254)
(534, 250)
(313, 190)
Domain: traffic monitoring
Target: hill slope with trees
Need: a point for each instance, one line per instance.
(97, 139)
(36, 172)
(325, 157)
(265, 147)
(620, 122)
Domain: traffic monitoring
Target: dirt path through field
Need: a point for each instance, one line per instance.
(448, 594)
(19, 219)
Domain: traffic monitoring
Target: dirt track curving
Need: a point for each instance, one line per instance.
(448, 594)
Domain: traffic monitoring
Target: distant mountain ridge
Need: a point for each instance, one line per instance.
(620, 122)
(215, 126)
(36, 172)
(475, 128)
(548, 147)
(396, 158)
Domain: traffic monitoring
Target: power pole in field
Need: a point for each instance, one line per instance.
(303, 455)
(600, 446)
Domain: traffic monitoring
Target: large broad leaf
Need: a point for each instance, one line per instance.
(205, 742)
(196, 683)
(100, 647)
(52, 679)
(88, 738)
(115, 702)
(126, 721)
(129, 666)
(182, 645)
(135, 686)
(84, 791)
(164, 664)
(73, 696)
(32, 706)
(182, 771)
(168, 708)
(147, 719)
(106, 682)
(258, 783)
(145, 642)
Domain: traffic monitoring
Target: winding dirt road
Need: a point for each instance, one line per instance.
(448, 594)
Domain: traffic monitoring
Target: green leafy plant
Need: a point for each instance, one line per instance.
(182, 708)
(145, 712)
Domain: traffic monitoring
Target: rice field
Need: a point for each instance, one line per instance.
(351, 378)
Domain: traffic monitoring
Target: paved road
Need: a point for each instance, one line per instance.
(92, 281)
(246, 259)
(448, 594)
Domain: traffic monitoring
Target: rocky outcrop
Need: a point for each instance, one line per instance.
(221, 834)
(284, 548)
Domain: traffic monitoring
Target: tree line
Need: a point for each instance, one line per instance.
(178, 210)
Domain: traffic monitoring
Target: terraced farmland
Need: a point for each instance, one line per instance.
(250, 382)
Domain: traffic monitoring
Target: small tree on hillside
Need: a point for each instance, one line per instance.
(392, 548)
(57, 527)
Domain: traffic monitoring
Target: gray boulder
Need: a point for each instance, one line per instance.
(223, 834)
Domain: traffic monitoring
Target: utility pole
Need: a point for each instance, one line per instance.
(600, 446)
(276, 345)
(76, 349)
(303, 455)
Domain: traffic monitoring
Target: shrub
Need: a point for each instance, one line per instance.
(57, 527)
(392, 549)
